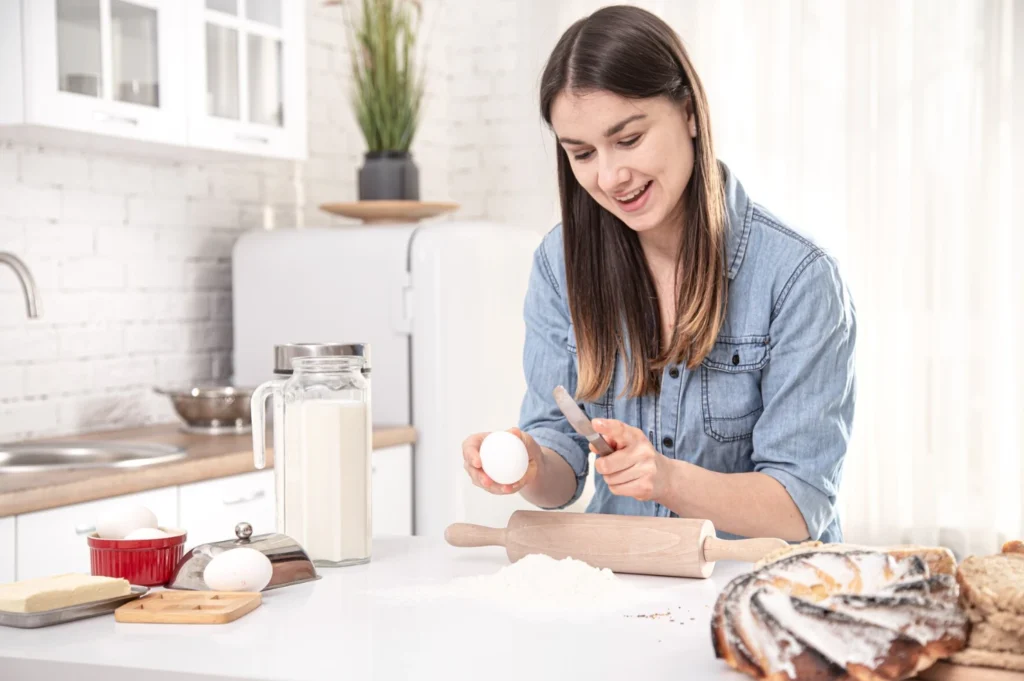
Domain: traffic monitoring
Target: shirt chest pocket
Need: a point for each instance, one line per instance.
(731, 386)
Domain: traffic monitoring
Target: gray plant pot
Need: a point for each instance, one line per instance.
(388, 175)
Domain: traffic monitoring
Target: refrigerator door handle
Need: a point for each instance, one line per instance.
(402, 306)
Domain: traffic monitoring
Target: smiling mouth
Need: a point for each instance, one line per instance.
(634, 195)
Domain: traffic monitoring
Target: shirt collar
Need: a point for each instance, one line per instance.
(740, 210)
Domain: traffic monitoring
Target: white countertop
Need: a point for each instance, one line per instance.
(342, 627)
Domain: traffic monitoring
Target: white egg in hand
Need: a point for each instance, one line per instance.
(504, 458)
(118, 522)
(146, 533)
(241, 569)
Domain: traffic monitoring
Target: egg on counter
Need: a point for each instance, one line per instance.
(121, 521)
(241, 569)
(504, 458)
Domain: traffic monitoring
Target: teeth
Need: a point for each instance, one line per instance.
(633, 195)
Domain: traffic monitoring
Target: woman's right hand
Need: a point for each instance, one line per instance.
(471, 462)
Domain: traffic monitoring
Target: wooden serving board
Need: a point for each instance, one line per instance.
(944, 671)
(188, 607)
(383, 212)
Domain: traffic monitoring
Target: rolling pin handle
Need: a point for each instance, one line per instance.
(749, 550)
(467, 535)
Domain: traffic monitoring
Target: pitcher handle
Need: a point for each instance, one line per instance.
(257, 406)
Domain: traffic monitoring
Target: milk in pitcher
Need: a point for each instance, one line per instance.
(327, 479)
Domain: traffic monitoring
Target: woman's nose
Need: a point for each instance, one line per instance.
(612, 176)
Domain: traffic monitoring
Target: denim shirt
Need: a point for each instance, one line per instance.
(775, 395)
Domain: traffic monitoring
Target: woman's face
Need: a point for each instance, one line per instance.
(634, 156)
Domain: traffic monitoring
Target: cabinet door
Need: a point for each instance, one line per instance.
(209, 510)
(392, 491)
(53, 542)
(247, 79)
(112, 67)
(7, 564)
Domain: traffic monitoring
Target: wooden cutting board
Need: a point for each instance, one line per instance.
(188, 607)
(944, 671)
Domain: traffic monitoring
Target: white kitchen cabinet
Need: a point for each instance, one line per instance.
(187, 75)
(209, 510)
(110, 67)
(7, 564)
(392, 491)
(247, 76)
(53, 542)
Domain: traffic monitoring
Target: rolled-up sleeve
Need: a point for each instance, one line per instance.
(808, 390)
(547, 362)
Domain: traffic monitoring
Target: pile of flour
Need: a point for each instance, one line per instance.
(539, 584)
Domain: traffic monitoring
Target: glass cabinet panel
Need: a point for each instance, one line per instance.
(222, 98)
(226, 6)
(134, 46)
(266, 103)
(79, 52)
(264, 11)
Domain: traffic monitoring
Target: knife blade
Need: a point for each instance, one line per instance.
(579, 421)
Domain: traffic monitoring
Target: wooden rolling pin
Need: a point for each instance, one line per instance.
(671, 547)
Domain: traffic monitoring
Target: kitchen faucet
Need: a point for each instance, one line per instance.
(28, 285)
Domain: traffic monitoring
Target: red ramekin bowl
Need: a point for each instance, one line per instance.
(144, 562)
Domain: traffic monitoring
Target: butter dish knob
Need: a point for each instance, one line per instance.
(243, 531)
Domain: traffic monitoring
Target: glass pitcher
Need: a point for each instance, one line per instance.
(322, 449)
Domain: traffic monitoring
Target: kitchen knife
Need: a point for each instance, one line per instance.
(579, 421)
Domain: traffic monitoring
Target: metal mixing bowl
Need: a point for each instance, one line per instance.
(212, 409)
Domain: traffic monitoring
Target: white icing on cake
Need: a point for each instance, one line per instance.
(817, 613)
(832, 640)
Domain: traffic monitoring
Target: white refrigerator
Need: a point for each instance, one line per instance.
(441, 306)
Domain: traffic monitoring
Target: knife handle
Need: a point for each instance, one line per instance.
(600, 445)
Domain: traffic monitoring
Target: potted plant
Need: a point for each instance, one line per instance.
(386, 94)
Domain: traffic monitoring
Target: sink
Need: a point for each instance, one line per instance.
(40, 457)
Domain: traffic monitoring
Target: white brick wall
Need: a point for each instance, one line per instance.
(132, 257)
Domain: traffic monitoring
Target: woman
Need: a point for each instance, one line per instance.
(711, 345)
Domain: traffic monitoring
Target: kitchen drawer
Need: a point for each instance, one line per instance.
(210, 510)
(7, 549)
(392, 491)
(53, 542)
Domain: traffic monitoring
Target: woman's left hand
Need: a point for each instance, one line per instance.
(635, 469)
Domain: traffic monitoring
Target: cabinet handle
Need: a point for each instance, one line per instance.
(112, 118)
(245, 498)
(259, 139)
(84, 529)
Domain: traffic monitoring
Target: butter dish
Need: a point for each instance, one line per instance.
(45, 618)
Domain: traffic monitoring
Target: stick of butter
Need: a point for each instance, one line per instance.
(59, 591)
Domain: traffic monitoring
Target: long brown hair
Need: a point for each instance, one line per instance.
(612, 299)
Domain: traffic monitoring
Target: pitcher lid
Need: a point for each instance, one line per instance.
(284, 354)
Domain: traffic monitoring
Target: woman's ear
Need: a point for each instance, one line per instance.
(691, 117)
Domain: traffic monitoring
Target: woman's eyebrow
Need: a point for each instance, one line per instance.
(610, 131)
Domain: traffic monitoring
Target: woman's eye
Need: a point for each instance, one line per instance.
(630, 141)
(583, 155)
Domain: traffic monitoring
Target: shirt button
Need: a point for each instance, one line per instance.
(735, 359)
(667, 442)
(673, 372)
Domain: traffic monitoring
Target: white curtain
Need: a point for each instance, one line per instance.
(888, 131)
